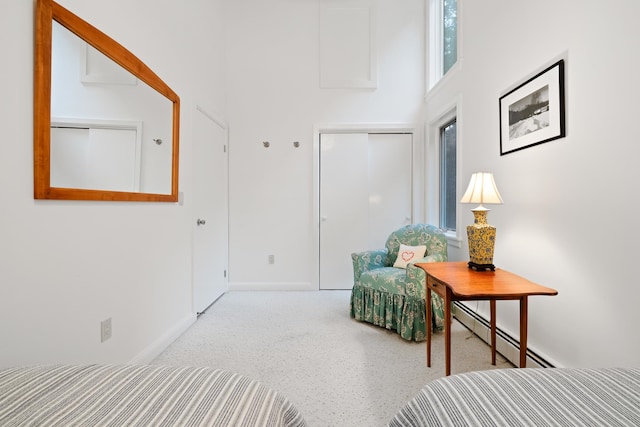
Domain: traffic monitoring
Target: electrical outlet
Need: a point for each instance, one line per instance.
(105, 329)
(272, 259)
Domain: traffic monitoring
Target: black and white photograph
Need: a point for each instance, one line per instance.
(533, 112)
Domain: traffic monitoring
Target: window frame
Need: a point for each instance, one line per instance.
(442, 172)
(435, 45)
(433, 172)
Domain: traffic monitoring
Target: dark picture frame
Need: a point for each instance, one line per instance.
(533, 112)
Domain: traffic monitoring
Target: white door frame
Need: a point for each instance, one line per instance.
(417, 174)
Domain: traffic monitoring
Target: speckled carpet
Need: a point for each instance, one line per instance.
(336, 371)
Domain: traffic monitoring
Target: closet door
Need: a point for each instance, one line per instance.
(344, 205)
(100, 159)
(390, 185)
(365, 194)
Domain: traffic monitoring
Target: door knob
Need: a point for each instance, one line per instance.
(201, 221)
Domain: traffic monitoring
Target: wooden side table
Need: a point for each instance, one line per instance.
(455, 281)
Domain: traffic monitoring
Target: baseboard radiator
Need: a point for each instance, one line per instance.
(506, 345)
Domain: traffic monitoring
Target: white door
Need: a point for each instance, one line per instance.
(365, 194)
(211, 223)
(101, 159)
(390, 185)
(344, 205)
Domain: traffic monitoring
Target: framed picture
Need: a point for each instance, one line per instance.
(533, 112)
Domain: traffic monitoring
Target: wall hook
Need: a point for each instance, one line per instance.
(296, 144)
(266, 144)
(158, 141)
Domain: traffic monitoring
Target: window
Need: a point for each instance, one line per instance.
(441, 172)
(449, 34)
(447, 180)
(443, 38)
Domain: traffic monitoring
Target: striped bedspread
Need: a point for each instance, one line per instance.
(527, 397)
(98, 395)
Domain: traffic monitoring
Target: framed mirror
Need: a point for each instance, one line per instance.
(106, 127)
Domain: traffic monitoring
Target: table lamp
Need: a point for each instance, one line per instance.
(481, 236)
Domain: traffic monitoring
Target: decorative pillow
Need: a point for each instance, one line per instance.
(407, 254)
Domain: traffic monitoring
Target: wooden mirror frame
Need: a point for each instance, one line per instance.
(46, 12)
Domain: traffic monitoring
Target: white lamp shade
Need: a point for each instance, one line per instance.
(482, 189)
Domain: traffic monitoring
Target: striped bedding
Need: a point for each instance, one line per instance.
(98, 395)
(527, 397)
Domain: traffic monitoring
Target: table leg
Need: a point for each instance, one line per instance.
(492, 304)
(429, 327)
(447, 332)
(523, 331)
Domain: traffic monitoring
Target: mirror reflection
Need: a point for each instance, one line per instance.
(106, 127)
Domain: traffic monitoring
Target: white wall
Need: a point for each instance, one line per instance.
(274, 95)
(65, 266)
(567, 220)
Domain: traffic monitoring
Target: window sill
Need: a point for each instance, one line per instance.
(453, 239)
(444, 80)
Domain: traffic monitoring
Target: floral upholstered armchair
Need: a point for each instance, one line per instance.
(394, 297)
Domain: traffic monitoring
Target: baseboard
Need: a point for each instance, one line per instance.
(157, 347)
(271, 286)
(506, 345)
